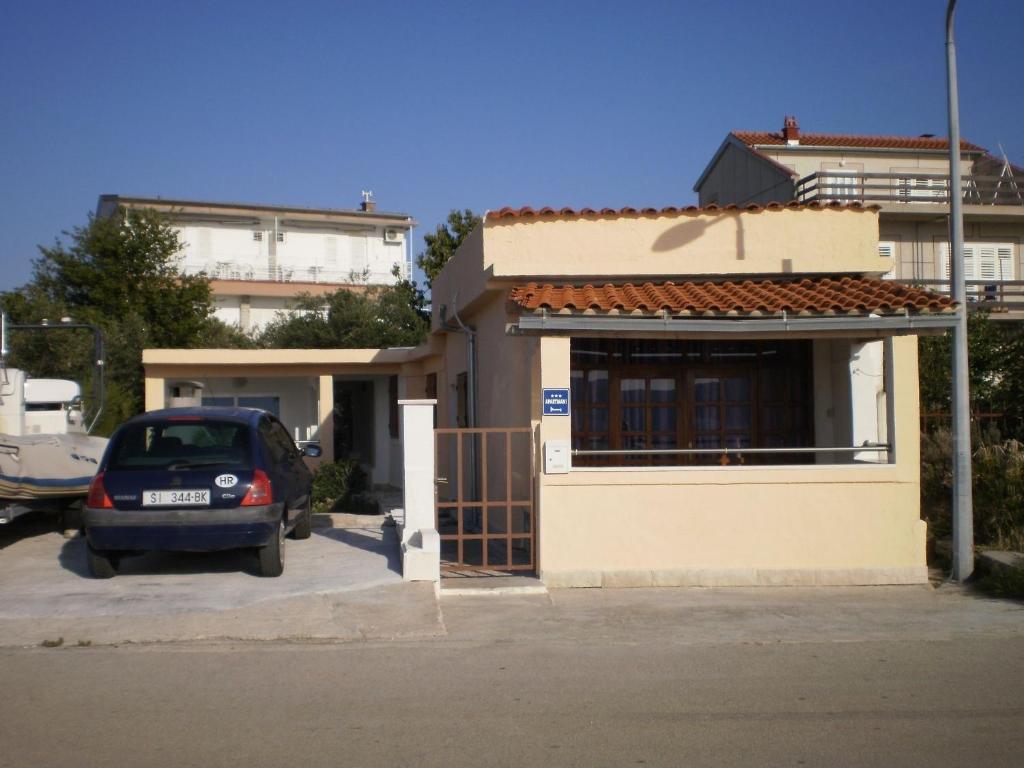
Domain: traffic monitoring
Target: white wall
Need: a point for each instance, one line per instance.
(321, 255)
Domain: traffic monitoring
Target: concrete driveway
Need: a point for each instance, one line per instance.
(331, 589)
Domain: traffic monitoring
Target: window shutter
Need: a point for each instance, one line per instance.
(887, 250)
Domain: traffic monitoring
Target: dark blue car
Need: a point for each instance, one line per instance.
(198, 479)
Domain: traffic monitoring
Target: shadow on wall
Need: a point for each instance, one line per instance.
(690, 230)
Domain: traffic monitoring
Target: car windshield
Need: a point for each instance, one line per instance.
(180, 444)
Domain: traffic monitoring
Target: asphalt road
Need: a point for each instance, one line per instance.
(545, 698)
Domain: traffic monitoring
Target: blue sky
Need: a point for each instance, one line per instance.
(447, 105)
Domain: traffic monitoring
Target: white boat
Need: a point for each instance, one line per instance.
(46, 458)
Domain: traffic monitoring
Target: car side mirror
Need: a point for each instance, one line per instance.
(313, 451)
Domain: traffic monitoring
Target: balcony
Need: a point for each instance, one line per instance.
(999, 297)
(843, 187)
(238, 270)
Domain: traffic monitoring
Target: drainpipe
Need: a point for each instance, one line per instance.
(963, 510)
(470, 367)
(474, 474)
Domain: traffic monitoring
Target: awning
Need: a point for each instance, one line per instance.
(846, 304)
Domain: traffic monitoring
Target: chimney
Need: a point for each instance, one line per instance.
(368, 205)
(791, 130)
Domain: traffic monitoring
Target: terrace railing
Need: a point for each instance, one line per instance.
(982, 295)
(842, 187)
(236, 270)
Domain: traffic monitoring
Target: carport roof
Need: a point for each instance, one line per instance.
(811, 303)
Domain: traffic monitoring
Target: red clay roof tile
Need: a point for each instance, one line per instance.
(527, 212)
(826, 295)
(769, 138)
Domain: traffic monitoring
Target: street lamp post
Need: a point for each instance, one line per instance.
(963, 513)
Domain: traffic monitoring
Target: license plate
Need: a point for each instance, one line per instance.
(187, 497)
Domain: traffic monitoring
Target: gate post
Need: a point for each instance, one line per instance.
(421, 546)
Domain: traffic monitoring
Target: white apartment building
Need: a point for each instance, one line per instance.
(260, 257)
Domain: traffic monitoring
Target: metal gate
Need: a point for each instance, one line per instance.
(484, 499)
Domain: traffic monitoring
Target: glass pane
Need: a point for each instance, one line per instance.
(597, 442)
(633, 419)
(772, 418)
(663, 390)
(663, 419)
(737, 389)
(708, 441)
(577, 417)
(598, 420)
(737, 417)
(706, 417)
(597, 386)
(632, 390)
(663, 441)
(634, 442)
(576, 385)
(705, 390)
(737, 441)
(772, 386)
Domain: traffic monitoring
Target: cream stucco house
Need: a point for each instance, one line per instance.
(681, 396)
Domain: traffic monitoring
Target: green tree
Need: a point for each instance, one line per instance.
(390, 316)
(443, 242)
(119, 274)
(996, 371)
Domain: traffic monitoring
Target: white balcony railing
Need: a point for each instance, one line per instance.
(235, 270)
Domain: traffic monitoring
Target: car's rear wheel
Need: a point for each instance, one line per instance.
(271, 555)
(102, 564)
(304, 525)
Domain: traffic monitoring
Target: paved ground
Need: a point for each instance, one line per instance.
(342, 583)
(340, 663)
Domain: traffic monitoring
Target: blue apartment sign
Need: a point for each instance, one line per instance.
(556, 402)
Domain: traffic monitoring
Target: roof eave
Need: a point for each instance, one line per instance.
(545, 322)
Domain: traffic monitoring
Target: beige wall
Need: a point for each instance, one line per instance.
(820, 524)
(699, 244)
(917, 243)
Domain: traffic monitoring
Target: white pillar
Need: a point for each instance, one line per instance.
(421, 546)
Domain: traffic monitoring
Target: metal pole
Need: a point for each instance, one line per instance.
(963, 513)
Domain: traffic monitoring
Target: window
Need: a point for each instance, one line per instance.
(637, 395)
(841, 185)
(982, 261)
(280, 236)
(911, 189)
(887, 250)
(257, 236)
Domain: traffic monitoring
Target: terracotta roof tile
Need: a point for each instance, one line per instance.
(768, 138)
(527, 212)
(827, 295)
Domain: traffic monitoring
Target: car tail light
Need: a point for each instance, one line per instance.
(260, 491)
(98, 498)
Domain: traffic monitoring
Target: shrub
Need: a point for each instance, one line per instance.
(334, 484)
(998, 487)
